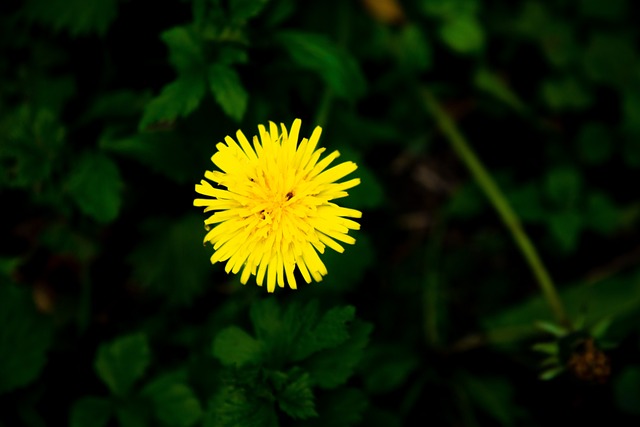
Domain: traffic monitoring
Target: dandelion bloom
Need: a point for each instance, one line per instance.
(272, 205)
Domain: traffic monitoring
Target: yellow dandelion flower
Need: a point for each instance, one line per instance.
(272, 205)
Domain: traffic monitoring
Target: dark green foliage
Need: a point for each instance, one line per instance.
(76, 17)
(174, 402)
(90, 411)
(627, 389)
(227, 89)
(24, 338)
(96, 187)
(317, 53)
(171, 252)
(235, 347)
(111, 313)
(121, 362)
(31, 141)
(295, 350)
(177, 99)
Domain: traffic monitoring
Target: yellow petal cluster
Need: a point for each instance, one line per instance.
(271, 204)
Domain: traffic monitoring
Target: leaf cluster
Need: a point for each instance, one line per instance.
(294, 354)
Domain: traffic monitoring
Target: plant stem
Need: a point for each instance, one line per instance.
(499, 202)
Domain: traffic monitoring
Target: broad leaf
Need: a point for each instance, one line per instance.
(463, 34)
(331, 368)
(343, 407)
(24, 338)
(330, 331)
(174, 402)
(96, 186)
(171, 261)
(235, 406)
(228, 91)
(177, 99)
(185, 52)
(563, 186)
(627, 389)
(334, 65)
(566, 95)
(122, 362)
(296, 398)
(233, 346)
(594, 142)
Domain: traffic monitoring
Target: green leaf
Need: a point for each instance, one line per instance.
(611, 60)
(185, 52)
(300, 331)
(171, 260)
(228, 91)
(559, 44)
(463, 34)
(30, 143)
(240, 406)
(231, 55)
(532, 20)
(24, 339)
(120, 363)
(343, 407)
(553, 328)
(280, 331)
(627, 389)
(551, 373)
(494, 396)
(177, 99)
(266, 317)
(330, 331)
(602, 215)
(166, 153)
(296, 399)
(76, 16)
(466, 201)
(594, 143)
(174, 402)
(335, 66)
(331, 368)
(563, 186)
(233, 346)
(413, 51)
(387, 367)
(96, 186)
(243, 10)
(565, 95)
(550, 348)
(527, 202)
(90, 411)
(565, 227)
(613, 297)
(132, 413)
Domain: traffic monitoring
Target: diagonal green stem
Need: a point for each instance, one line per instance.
(499, 202)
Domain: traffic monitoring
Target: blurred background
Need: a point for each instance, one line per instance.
(496, 277)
